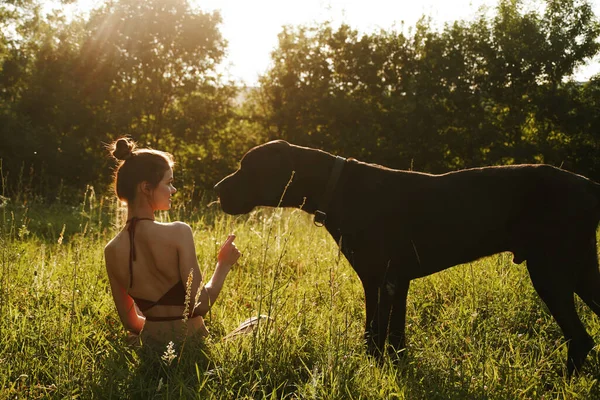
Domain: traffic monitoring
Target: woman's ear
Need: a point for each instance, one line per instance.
(145, 188)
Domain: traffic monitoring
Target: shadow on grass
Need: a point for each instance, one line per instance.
(147, 372)
(425, 382)
(433, 382)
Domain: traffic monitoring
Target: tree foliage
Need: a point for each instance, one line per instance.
(494, 90)
(489, 91)
(146, 69)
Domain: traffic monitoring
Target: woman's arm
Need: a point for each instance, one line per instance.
(228, 255)
(132, 320)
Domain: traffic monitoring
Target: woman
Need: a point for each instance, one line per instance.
(152, 266)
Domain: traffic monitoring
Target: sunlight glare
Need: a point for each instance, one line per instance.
(251, 27)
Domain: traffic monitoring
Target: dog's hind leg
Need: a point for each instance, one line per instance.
(555, 284)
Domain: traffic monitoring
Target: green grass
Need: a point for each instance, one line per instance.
(476, 331)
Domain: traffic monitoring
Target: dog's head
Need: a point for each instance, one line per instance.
(261, 179)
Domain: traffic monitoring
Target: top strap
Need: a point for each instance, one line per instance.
(131, 229)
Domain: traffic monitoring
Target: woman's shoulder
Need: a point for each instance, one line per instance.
(177, 233)
(176, 228)
(175, 225)
(113, 247)
(113, 244)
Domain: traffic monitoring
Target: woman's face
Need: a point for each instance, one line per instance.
(161, 195)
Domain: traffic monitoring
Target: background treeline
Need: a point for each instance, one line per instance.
(494, 90)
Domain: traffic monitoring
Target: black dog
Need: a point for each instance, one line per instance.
(395, 226)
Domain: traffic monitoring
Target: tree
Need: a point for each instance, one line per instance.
(141, 68)
(475, 93)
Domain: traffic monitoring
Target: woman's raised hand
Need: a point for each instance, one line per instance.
(228, 254)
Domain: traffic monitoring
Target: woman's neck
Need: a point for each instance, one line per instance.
(140, 211)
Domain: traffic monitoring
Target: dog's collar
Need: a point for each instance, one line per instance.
(336, 172)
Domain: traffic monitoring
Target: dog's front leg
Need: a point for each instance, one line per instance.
(385, 315)
(375, 326)
(397, 320)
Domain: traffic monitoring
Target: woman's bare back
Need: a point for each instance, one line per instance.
(154, 272)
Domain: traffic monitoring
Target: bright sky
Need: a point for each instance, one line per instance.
(251, 26)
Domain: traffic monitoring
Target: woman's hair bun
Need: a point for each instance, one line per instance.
(123, 148)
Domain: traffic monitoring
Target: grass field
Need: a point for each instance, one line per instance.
(477, 331)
